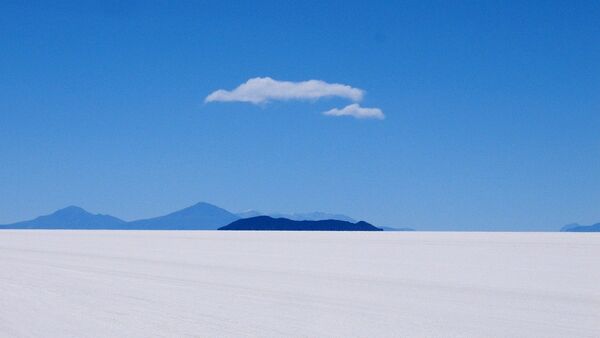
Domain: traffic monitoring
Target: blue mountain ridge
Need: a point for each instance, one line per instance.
(284, 224)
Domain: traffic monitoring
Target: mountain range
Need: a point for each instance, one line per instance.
(283, 224)
(201, 216)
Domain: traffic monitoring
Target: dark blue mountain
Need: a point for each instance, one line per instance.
(249, 213)
(313, 216)
(202, 216)
(582, 228)
(284, 224)
(70, 218)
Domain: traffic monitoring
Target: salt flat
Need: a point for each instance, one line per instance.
(217, 284)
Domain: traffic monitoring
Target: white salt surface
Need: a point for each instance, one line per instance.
(234, 284)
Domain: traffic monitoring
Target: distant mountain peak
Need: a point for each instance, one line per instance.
(200, 216)
(71, 209)
(200, 207)
(71, 217)
(202, 204)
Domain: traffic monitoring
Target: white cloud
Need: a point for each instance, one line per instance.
(355, 110)
(264, 89)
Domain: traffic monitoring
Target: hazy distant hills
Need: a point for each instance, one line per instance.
(70, 218)
(300, 216)
(581, 228)
(284, 224)
(568, 227)
(201, 216)
(249, 213)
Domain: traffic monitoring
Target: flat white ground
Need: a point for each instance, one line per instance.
(215, 284)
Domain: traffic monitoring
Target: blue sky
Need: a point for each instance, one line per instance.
(492, 110)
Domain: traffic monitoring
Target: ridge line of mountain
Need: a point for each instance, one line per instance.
(267, 223)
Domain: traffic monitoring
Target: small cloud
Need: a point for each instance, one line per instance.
(264, 89)
(355, 110)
